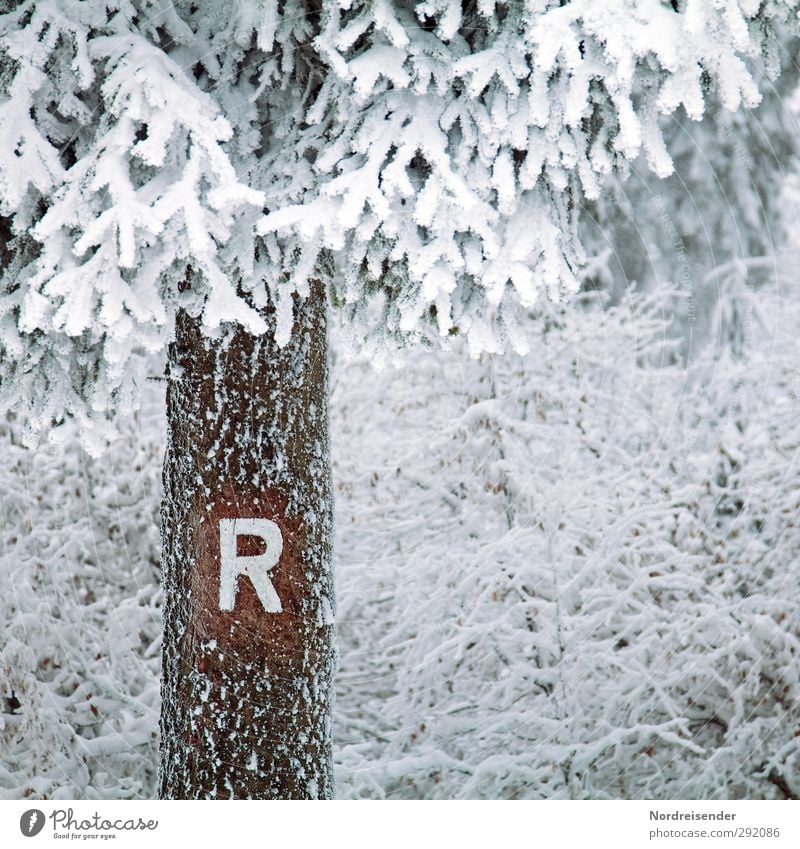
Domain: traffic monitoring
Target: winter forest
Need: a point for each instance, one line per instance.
(399, 400)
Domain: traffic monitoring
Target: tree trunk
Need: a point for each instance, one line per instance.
(248, 590)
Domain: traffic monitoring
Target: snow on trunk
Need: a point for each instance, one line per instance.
(248, 660)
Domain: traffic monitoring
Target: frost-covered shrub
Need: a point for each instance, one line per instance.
(80, 607)
(567, 576)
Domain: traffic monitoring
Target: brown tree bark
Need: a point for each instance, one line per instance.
(247, 690)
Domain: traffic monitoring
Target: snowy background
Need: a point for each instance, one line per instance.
(572, 574)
